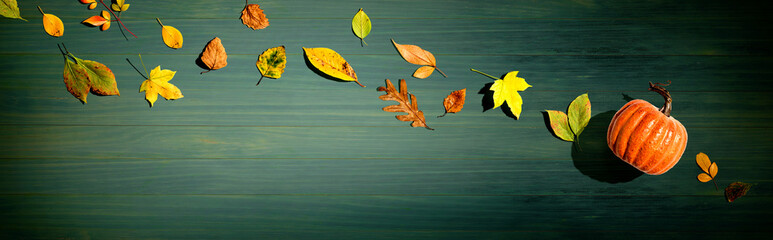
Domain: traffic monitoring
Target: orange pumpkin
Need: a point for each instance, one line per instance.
(646, 137)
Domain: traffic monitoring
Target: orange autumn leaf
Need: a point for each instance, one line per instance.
(95, 21)
(52, 24)
(414, 54)
(253, 17)
(454, 102)
(406, 104)
(709, 168)
(214, 55)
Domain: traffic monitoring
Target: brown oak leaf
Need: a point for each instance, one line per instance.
(454, 102)
(407, 105)
(253, 17)
(214, 56)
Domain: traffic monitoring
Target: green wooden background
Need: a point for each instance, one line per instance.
(307, 157)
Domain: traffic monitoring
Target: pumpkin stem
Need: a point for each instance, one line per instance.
(658, 88)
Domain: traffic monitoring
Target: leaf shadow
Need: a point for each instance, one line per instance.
(317, 71)
(626, 97)
(488, 101)
(592, 156)
(546, 119)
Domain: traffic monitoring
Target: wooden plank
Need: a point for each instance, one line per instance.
(583, 174)
(278, 9)
(705, 97)
(239, 216)
(439, 36)
(331, 142)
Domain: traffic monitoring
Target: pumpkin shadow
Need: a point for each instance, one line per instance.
(488, 101)
(594, 159)
(317, 71)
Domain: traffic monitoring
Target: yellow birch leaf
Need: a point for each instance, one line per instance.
(158, 84)
(704, 177)
(171, 36)
(361, 26)
(713, 169)
(331, 63)
(703, 161)
(271, 63)
(52, 24)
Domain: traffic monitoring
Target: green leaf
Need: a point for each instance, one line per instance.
(9, 9)
(83, 76)
(76, 80)
(101, 79)
(272, 62)
(361, 25)
(560, 125)
(579, 113)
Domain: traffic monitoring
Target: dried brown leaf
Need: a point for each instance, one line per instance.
(407, 105)
(454, 102)
(253, 17)
(214, 55)
(736, 190)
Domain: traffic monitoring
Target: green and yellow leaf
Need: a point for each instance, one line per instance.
(361, 25)
(579, 114)
(271, 63)
(560, 125)
(10, 9)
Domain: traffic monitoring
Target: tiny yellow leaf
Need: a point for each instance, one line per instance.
(92, 5)
(713, 169)
(53, 25)
(703, 161)
(704, 177)
(171, 36)
(361, 25)
(115, 7)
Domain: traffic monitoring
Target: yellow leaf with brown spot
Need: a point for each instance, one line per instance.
(171, 36)
(331, 63)
(52, 24)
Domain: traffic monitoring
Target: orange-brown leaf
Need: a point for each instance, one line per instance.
(407, 105)
(214, 55)
(253, 17)
(95, 21)
(414, 54)
(454, 102)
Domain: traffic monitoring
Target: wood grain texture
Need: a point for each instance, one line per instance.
(304, 157)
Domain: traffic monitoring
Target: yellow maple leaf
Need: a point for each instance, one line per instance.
(506, 90)
(158, 84)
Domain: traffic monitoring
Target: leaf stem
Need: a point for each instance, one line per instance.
(159, 22)
(715, 184)
(444, 114)
(41, 11)
(143, 65)
(358, 83)
(484, 74)
(135, 68)
(261, 79)
(441, 72)
(116, 17)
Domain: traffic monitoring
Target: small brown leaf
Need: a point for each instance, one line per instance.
(454, 102)
(214, 55)
(253, 17)
(407, 105)
(736, 190)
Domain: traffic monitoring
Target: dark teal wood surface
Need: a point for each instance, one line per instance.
(304, 157)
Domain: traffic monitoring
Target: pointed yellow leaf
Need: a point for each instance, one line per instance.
(115, 7)
(10, 9)
(703, 161)
(423, 72)
(52, 24)
(124, 7)
(361, 25)
(331, 63)
(158, 84)
(506, 90)
(704, 177)
(171, 36)
(713, 169)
